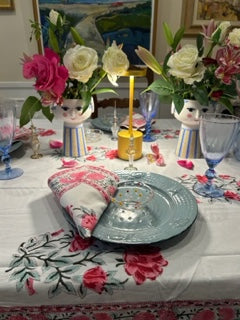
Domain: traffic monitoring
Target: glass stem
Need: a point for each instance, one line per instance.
(210, 174)
(6, 160)
(148, 128)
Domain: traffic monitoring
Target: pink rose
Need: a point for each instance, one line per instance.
(144, 263)
(95, 279)
(50, 76)
(78, 243)
(89, 221)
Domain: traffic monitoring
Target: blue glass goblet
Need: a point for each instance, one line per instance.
(217, 133)
(7, 129)
(149, 103)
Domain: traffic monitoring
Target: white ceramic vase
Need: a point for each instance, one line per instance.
(74, 141)
(188, 145)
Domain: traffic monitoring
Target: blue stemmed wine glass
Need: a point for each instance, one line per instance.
(7, 129)
(217, 133)
(149, 103)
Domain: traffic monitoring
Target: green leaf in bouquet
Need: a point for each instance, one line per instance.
(29, 108)
(76, 36)
(161, 87)
(53, 41)
(178, 102)
(201, 95)
(227, 103)
(104, 90)
(48, 113)
(177, 38)
(168, 34)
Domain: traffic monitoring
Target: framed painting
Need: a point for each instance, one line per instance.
(196, 13)
(131, 23)
(6, 4)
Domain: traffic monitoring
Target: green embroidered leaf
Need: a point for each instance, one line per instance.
(69, 288)
(54, 291)
(15, 262)
(52, 277)
(17, 274)
(77, 278)
(71, 269)
(29, 262)
(61, 262)
(82, 291)
(35, 275)
(108, 289)
(19, 285)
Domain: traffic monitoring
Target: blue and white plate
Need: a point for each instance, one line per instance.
(170, 212)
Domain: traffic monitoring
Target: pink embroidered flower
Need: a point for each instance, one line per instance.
(56, 233)
(38, 317)
(238, 183)
(166, 315)
(168, 136)
(226, 314)
(204, 315)
(95, 279)
(184, 176)
(48, 132)
(144, 263)
(102, 316)
(29, 286)
(96, 176)
(91, 158)
(78, 243)
(50, 76)
(111, 154)
(89, 148)
(18, 317)
(232, 195)
(224, 176)
(89, 221)
(144, 316)
(201, 179)
(55, 144)
(188, 164)
(69, 210)
(69, 163)
(80, 317)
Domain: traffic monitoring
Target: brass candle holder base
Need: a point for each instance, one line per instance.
(124, 141)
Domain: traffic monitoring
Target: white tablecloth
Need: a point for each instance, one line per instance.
(203, 263)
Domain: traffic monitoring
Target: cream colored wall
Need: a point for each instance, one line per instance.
(15, 33)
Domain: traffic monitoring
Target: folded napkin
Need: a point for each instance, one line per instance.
(84, 192)
(138, 122)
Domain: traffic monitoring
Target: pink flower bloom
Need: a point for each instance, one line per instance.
(166, 315)
(89, 221)
(56, 233)
(144, 316)
(225, 176)
(48, 132)
(69, 163)
(232, 195)
(50, 76)
(29, 286)
(204, 315)
(201, 179)
(78, 243)
(111, 154)
(228, 59)
(91, 158)
(102, 316)
(144, 263)
(55, 144)
(188, 164)
(95, 279)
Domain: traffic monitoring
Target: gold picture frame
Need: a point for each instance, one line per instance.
(196, 13)
(154, 11)
(6, 4)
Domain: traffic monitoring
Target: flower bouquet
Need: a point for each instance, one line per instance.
(67, 72)
(206, 72)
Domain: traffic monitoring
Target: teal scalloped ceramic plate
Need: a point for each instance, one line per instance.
(171, 211)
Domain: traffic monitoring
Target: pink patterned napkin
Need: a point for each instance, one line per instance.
(138, 122)
(84, 192)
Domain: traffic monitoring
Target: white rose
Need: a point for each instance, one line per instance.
(186, 64)
(115, 62)
(234, 37)
(81, 61)
(53, 17)
(224, 28)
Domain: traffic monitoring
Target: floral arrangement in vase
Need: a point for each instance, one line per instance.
(207, 71)
(68, 73)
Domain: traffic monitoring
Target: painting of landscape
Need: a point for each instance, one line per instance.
(128, 22)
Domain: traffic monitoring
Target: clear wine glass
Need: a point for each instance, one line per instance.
(217, 133)
(149, 103)
(7, 129)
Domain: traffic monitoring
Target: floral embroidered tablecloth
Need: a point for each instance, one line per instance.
(48, 271)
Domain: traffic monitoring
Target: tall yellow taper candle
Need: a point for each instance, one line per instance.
(131, 97)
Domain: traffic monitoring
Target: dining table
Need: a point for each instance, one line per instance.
(187, 267)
